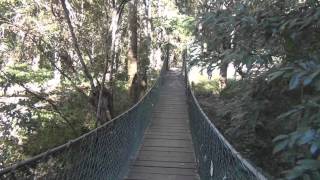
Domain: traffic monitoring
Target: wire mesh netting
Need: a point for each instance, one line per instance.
(216, 158)
(103, 153)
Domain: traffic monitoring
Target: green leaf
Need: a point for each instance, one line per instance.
(295, 81)
(306, 177)
(295, 173)
(275, 75)
(280, 146)
(289, 113)
(307, 137)
(280, 137)
(309, 164)
(309, 79)
(316, 175)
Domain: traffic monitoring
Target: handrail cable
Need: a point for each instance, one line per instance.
(29, 168)
(209, 144)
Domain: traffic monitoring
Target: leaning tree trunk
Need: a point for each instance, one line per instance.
(105, 98)
(133, 45)
(76, 44)
(136, 70)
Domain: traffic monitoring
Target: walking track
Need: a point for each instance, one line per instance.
(167, 150)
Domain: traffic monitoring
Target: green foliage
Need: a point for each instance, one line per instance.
(47, 94)
(121, 94)
(278, 41)
(207, 88)
(23, 73)
(232, 88)
(44, 92)
(182, 25)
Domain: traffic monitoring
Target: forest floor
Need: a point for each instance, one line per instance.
(247, 118)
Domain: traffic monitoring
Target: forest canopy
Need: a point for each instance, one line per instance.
(274, 49)
(69, 66)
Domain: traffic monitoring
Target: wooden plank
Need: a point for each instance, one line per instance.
(167, 151)
(184, 130)
(167, 143)
(174, 149)
(189, 165)
(180, 159)
(172, 103)
(163, 170)
(153, 129)
(184, 137)
(164, 125)
(167, 156)
(168, 107)
(169, 112)
(167, 133)
(168, 124)
(170, 115)
(150, 176)
(175, 122)
(169, 118)
(162, 103)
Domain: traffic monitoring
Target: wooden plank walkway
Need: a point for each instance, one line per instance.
(167, 151)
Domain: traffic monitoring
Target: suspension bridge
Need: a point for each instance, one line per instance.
(165, 136)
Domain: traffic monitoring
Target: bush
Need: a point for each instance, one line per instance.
(206, 87)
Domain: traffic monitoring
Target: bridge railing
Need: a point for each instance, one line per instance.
(216, 158)
(103, 153)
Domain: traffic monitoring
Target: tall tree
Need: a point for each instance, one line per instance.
(133, 40)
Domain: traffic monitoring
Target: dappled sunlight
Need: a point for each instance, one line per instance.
(85, 84)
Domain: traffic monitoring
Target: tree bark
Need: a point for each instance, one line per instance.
(148, 10)
(76, 44)
(136, 69)
(167, 57)
(133, 36)
(224, 66)
(223, 75)
(105, 98)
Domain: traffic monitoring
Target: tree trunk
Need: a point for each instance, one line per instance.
(223, 75)
(102, 102)
(133, 36)
(136, 69)
(224, 66)
(76, 44)
(105, 98)
(148, 10)
(167, 57)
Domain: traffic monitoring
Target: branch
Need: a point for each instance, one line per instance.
(113, 29)
(57, 68)
(92, 63)
(76, 44)
(48, 100)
